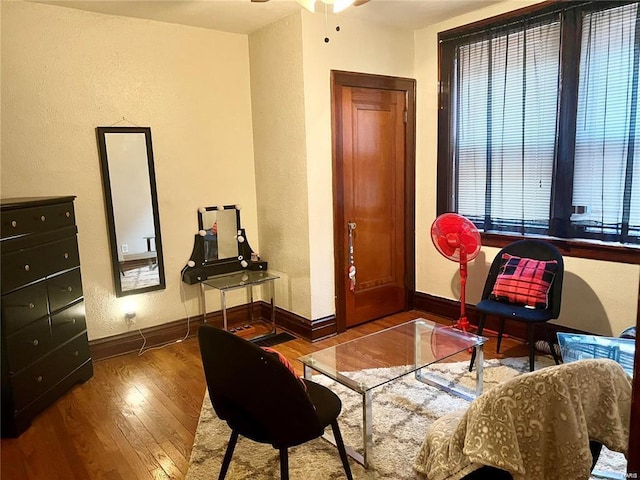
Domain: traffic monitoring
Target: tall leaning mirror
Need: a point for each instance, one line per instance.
(131, 204)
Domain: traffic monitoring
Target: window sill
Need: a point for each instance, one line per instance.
(594, 250)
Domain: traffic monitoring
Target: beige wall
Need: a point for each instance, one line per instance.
(599, 297)
(358, 47)
(277, 93)
(292, 136)
(65, 71)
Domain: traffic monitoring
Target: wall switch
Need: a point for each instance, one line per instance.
(125, 248)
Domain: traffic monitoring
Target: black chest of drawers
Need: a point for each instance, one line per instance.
(44, 346)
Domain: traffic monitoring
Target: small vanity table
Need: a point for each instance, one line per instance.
(244, 279)
(223, 260)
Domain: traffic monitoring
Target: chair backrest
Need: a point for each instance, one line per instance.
(537, 250)
(254, 392)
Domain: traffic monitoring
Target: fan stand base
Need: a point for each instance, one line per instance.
(462, 324)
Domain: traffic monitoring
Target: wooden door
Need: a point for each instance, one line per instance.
(370, 137)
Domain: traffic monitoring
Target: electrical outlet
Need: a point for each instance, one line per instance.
(125, 248)
(130, 318)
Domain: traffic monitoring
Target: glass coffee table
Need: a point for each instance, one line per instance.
(410, 347)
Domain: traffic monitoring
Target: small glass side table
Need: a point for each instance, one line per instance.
(246, 279)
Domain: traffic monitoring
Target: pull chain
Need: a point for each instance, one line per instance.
(326, 24)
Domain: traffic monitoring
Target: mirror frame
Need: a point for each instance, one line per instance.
(108, 200)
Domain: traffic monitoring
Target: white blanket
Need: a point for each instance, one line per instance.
(536, 426)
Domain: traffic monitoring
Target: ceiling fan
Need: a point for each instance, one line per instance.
(338, 5)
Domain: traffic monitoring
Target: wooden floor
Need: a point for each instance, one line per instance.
(136, 418)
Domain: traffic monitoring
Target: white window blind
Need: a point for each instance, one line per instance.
(606, 186)
(506, 104)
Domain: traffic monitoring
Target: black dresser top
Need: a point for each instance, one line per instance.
(21, 202)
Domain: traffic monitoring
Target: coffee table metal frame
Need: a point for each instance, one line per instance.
(329, 360)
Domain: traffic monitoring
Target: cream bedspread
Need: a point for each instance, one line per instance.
(536, 426)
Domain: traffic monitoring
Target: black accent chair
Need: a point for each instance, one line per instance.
(261, 399)
(538, 250)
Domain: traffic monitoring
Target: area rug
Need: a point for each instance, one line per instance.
(402, 411)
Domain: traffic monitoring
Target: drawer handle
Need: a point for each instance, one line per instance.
(35, 342)
(39, 378)
(73, 321)
(31, 305)
(66, 255)
(67, 214)
(67, 289)
(76, 353)
(14, 224)
(27, 268)
(43, 218)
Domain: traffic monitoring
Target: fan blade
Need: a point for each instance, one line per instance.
(357, 3)
(445, 248)
(259, 1)
(453, 234)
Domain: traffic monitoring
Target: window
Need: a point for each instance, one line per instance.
(538, 130)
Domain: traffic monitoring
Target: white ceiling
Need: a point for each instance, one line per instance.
(244, 16)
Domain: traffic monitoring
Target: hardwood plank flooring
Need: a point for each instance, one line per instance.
(137, 417)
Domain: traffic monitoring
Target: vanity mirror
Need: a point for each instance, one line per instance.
(219, 228)
(220, 246)
(131, 203)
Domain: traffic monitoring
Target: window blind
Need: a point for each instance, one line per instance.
(606, 186)
(506, 104)
(542, 130)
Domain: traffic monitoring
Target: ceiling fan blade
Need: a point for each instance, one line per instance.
(261, 1)
(357, 3)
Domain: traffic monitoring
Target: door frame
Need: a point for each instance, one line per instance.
(408, 86)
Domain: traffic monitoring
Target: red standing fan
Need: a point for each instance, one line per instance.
(458, 239)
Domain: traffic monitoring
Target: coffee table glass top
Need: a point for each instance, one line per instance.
(409, 347)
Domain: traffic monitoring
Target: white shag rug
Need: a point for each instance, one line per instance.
(402, 411)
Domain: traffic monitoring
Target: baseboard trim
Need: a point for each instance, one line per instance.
(311, 330)
(166, 333)
(445, 307)
(132, 341)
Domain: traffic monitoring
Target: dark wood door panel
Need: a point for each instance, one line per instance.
(373, 167)
(365, 113)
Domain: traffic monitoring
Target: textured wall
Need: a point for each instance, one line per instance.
(66, 71)
(277, 93)
(358, 47)
(599, 297)
(292, 136)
